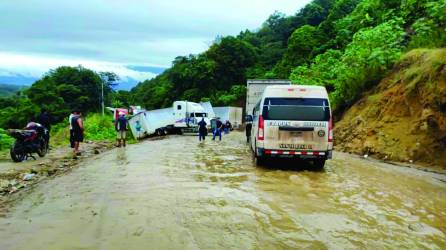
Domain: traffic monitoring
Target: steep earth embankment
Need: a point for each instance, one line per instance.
(404, 117)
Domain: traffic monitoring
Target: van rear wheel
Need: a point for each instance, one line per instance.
(260, 160)
(319, 164)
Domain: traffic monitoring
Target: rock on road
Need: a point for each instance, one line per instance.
(176, 193)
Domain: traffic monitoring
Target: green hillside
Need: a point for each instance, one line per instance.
(403, 118)
(8, 90)
(346, 45)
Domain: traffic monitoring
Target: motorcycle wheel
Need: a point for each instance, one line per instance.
(43, 148)
(16, 156)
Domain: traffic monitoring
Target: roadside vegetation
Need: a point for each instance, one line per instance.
(60, 91)
(5, 143)
(404, 117)
(98, 128)
(9, 89)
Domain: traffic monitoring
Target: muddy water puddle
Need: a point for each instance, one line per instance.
(177, 193)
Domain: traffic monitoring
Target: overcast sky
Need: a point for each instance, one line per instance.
(37, 35)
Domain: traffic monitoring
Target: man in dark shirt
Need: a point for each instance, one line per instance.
(218, 129)
(121, 128)
(202, 129)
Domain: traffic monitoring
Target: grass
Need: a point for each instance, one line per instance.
(97, 128)
(374, 98)
(5, 143)
(423, 67)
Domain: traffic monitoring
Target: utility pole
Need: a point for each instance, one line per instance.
(102, 96)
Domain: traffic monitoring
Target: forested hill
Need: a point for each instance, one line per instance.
(346, 45)
(8, 89)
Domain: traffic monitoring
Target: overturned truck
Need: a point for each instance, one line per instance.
(182, 117)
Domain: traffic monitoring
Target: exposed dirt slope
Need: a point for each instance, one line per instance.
(404, 117)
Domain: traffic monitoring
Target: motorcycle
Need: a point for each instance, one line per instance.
(28, 142)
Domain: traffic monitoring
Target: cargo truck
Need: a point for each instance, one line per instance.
(182, 117)
(231, 114)
(255, 88)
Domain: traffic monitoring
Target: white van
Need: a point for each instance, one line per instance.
(293, 122)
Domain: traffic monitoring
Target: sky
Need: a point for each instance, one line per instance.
(136, 39)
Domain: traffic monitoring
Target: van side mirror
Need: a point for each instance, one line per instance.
(248, 118)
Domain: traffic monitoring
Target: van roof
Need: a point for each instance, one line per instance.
(308, 91)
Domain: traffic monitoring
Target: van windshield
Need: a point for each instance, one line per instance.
(296, 109)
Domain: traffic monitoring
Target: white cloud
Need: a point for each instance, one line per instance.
(128, 31)
(38, 35)
(36, 66)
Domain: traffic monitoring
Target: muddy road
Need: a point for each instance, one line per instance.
(176, 193)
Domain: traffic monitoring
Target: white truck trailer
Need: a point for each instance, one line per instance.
(255, 88)
(182, 117)
(232, 114)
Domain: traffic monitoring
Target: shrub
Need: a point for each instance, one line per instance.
(5, 140)
(98, 127)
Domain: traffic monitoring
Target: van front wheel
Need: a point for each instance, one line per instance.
(319, 164)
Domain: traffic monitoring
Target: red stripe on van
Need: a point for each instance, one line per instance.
(281, 152)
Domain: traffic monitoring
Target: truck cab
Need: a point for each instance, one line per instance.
(188, 114)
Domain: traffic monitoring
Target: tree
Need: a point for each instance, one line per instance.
(232, 57)
(65, 88)
(301, 46)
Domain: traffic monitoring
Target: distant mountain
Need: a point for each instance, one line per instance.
(151, 69)
(9, 89)
(17, 79)
(126, 82)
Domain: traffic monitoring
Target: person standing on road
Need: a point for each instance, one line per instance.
(71, 128)
(78, 131)
(248, 131)
(121, 129)
(138, 130)
(227, 127)
(202, 130)
(218, 129)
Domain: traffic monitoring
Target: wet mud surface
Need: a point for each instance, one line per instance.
(177, 193)
(58, 161)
